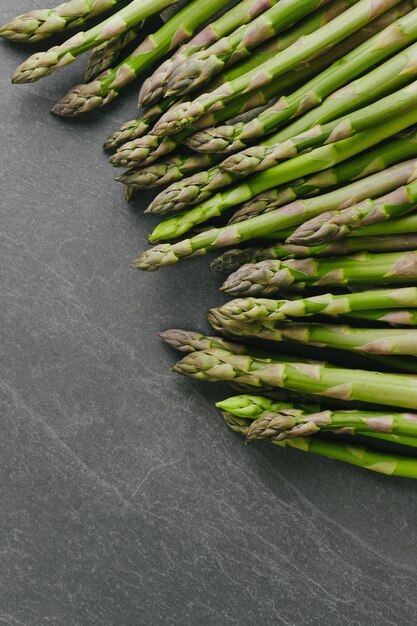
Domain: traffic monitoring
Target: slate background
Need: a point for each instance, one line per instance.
(124, 501)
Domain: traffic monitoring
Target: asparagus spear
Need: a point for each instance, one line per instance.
(374, 160)
(365, 340)
(380, 81)
(290, 215)
(107, 86)
(150, 148)
(338, 383)
(232, 259)
(269, 154)
(402, 225)
(155, 86)
(189, 341)
(273, 151)
(200, 68)
(325, 37)
(232, 137)
(336, 224)
(42, 23)
(252, 406)
(267, 277)
(267, 418)
(355, 455)
(134, 129)
(166, 171)
(146, 150)
(41, 64)
(105, 55)
(270, 311)
(396, 317)
(294, 422)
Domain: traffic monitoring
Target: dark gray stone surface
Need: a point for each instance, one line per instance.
(124, 500)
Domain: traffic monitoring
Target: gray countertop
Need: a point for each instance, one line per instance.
(124, 499)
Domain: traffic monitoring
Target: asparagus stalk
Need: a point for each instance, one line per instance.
(402, 225)
(374, 160)
(267, 277)
(232, 137)
(285, 217)
(295, 422)
(252, 407)
(384, 79)
(273, 151)
(42, 64)
(327, 36)
(155, 86)
(146, 151)
(42, 23)
(396, 317)
(105, 55)
(338, 383)
(355, 455)
(189, 341)
(200, 68)
(232, 259)
(164, 172)
(271, 311)
(269, 154)
(337, 224)
(264, 421)
(364, 340)
(106, 87)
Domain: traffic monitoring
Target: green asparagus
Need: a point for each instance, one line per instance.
(42, 64)
(232, 259)
(271, 311)
(165, 172)
(337, 224)
(390, 464)
(134, 129)
(269, 154)
(154, 87)
(200, 68)
(365, 340)
(257, 227)
(396, 390)
(105, 55)
(327, 36)
(42, 23)
(293, 422)
(147, 150)
(374, 160)
(380, 81)
(263, 423)
(267, 277)
(106, 87)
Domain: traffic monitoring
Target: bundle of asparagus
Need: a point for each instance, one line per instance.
(291, 125)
